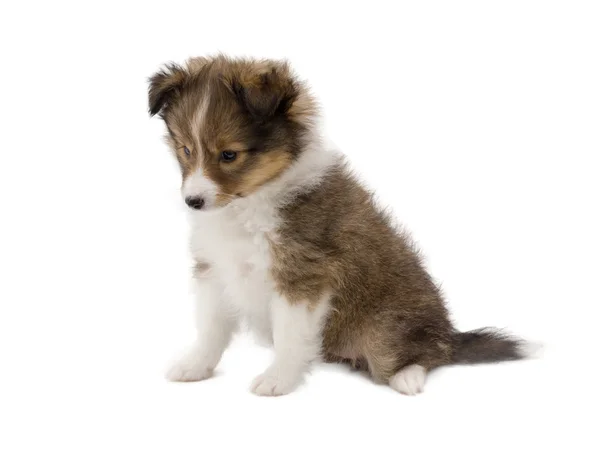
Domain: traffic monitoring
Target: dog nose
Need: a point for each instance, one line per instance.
(194, 202)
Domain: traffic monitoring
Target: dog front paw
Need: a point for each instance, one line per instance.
(189, 368)
(273, 382)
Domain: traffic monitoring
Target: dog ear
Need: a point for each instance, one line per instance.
(163, 86)
(268, 93)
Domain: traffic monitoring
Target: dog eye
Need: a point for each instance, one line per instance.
(228, 156)
(187, 151)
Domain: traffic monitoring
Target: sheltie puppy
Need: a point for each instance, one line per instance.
(288, 241)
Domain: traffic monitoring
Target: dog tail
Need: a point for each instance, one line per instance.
(487, 345)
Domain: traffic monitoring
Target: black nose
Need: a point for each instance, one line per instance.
(194, 202)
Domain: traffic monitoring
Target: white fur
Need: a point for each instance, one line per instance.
(200, 114)
(410, 380)
(531, 349)
(199, 185)
(297, 339)
(234, 241)
(214, 325)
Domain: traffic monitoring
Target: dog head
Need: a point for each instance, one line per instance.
(233, 124)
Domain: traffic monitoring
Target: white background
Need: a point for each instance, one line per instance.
(477, 122)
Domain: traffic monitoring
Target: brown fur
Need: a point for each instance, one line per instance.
(386, 309)
(386, 312)
(254, 108)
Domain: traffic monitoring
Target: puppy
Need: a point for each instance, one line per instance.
(286, 239)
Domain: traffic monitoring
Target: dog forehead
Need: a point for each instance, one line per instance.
(206, 106)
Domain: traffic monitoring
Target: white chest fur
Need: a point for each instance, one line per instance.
(234, 243)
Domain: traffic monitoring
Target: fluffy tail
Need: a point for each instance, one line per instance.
(487, 345)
